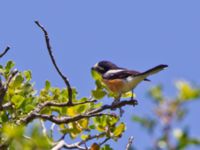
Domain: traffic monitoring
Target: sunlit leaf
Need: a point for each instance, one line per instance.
(186, 91)
(106, 147)
(47, 85)
(17, 100)
(18, 80)
(119, 130)
(146, 122)
(96, 75)
(98, 93)
(28, 75)
(83, 123)
(128, 94)
(84, 136)
(156, 93)
(9, 66)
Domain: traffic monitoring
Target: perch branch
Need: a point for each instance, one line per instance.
(59, 120)
(65, 79)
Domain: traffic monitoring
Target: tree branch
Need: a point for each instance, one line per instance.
(59, 120)
(130, 141)
(63, 144)
(5, 51)
(65, 79)
(114, 106)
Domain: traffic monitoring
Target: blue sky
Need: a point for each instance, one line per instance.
(133, 34)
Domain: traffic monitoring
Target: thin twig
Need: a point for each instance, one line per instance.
(44, 130)
(51, 130)
(65, 79)
(104, 141)
(130, 141)
(92, 137)
(5, 51)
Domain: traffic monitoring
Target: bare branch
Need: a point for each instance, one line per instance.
(62, 144)
(130, 141)
(60, 120)
(6, 106)
(92, 137)
(5, 51)
(104, 141)
(65, 79)
(44, 130)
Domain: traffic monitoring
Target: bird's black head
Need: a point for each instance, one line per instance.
(103, 66)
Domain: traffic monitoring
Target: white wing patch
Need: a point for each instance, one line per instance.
(113, 71)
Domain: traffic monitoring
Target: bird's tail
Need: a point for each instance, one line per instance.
(154, 70)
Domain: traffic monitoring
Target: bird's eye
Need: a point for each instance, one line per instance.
(100, 68)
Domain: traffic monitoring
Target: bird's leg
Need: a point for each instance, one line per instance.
(132, 97)
(132, 94)
(116, 101)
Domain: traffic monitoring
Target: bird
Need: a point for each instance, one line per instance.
(120, 80)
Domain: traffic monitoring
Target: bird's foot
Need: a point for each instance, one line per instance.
(121, 112)
(135, 102)
(115, 102)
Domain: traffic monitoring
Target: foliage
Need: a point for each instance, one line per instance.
(25, 112)
(168, 114)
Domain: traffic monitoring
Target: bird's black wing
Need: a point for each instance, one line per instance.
(124, 73)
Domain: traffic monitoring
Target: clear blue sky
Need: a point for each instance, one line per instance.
(134, 34)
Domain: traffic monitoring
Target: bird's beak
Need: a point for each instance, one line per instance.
(93, 68)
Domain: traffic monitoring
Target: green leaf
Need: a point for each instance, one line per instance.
(18, 80)
(146, 122)
(128, 94)
(80, 109)
(186, 91)
(84, 136)
(9, 66)
(119, 130)
(106, 147)
(47, 85)
(95, 75)
(17, 100)
(156, 93)
(98, 93)
(92, 127)
(28, 75)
